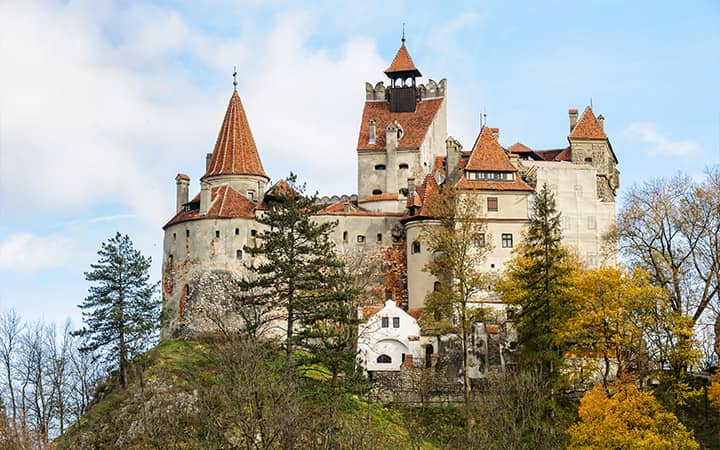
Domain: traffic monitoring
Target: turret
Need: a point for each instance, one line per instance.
(181, 196)
(402, 93)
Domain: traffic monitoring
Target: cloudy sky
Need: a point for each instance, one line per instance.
(103, 102)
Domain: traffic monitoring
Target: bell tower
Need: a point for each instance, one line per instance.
(402, 94)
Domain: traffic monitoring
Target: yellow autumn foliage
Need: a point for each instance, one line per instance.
(627, 418)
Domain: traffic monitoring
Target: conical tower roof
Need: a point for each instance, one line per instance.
(235, 152)
(403, 64)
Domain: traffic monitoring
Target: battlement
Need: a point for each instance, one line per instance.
(432, 89)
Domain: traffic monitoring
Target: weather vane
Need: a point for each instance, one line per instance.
(235, 77)
(403, 35)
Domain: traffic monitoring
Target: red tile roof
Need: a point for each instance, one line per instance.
(225, 203)
(588, 127)
(235, 152)
(558, 154)
(519, 148)
(380, 198)
(429, 192)
(182, 176)
(488, 155)
(415, 125)
(402, 62)
(415, 313)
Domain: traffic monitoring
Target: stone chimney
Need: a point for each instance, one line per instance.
(204, 197)
(573, 114)
(181, 196)
(495, 133)
(372, 132)
(601, 121)
(208, 160)
(410, 186)
(453, 148)
(346, 207)
(391, 145)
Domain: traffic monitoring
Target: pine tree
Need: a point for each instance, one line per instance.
(299, 273)
(538, 280)
(120, 313)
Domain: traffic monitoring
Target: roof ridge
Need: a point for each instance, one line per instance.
(488, 155)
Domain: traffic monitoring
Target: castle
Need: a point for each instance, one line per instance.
(404, 156)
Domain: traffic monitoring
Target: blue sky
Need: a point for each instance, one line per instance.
(102, 103)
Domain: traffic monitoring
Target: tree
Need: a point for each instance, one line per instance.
(609, 316)
(298, 270)
(671, 229)
(627, 417)
(538, 280)
(120, 313)
(458, 247)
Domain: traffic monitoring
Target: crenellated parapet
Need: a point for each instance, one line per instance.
(431, 89)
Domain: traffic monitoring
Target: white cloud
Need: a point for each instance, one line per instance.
(102, 105)
(28, 252)
(657, 143)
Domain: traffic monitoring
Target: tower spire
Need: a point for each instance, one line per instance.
(403, 35)
(235, 78)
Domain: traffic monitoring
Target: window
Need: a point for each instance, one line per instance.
(379, 237)
(170, 258)
(376, 192)
(187, 233)
(480, 242)
(237, 231)
(379, 166)
(174, 236)
(403, 192)
(591, 223)
(345, 235)
(436, 286)
(251, 195)
(415, 247)
(253, 233)
(578, 190)
(217, 233)
(403, 166)
(361, 239)
(384, 322)
(388, 295)
(507, 240)
(396, 322)
(238, 254)
(384, 359)
(492, 204)
(588, 160)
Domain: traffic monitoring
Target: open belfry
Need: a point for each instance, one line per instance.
(404, 159)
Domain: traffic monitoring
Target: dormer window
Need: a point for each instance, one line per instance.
(251, 195)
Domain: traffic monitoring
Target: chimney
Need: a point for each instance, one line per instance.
(181, 196)
(452, 160)
(410, 186)
(601, 121)
(208, 160)
(346, 207)
(391, 145)
(372, 132)
(495, 133)
(573, 114)
(204, 197)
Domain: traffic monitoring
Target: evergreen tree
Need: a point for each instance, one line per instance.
(538, 280)
(120, 314)
(300, 274)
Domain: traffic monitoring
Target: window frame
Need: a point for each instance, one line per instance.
(507, 238)
(492, 204)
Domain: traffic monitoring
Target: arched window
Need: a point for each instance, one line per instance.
(415, 247)
(376, 192)
(588, 160)
(384, 359)
(436, 286)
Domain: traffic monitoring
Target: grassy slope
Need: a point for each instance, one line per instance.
(186, 367)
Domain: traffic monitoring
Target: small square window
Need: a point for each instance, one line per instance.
(253, 233)
(415, 247)
(360, 239)
(217, 233)
(251, 195)
(396, 322)
(384, 322)
(480, 240)
(237, 231)
(238, 254)
(379, 237)
(507, 240)
(492, 204)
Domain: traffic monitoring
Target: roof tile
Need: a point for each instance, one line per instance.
(588, 127)
(402, 62)
(225, 203)
(415, 125)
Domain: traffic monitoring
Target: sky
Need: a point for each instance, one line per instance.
(102, 103)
